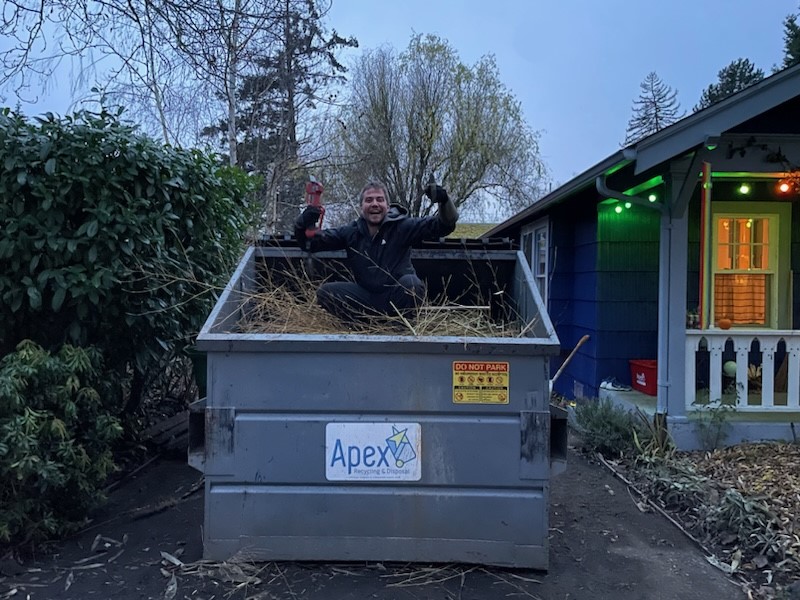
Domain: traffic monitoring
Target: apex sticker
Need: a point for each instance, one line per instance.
(373, 451)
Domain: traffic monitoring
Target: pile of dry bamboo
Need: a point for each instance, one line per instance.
(290, 306)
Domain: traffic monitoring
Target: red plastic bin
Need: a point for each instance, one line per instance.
(643, 376)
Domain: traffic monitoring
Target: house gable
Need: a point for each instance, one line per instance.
(606, 247)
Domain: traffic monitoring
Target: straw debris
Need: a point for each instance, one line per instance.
(285, 302)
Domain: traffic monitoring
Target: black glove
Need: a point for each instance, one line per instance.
(437, 194)
(309, 217)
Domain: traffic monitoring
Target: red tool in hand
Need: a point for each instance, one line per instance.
(314, 198)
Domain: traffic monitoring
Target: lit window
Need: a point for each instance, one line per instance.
(743, 271)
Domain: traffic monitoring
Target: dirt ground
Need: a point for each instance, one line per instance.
(146, 544)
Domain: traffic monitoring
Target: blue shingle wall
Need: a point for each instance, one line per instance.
(573, 287)
(627, 289)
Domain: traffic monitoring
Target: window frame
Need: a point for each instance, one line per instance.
(529, 237)
(778, 215)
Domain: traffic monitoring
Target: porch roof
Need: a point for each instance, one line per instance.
(656, 150)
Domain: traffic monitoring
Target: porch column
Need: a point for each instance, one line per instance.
(672, 293)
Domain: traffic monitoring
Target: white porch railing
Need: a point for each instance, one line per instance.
(752, 389)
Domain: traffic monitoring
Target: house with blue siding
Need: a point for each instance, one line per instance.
(677, 256)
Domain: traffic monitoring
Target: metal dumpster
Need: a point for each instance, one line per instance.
(380, 447)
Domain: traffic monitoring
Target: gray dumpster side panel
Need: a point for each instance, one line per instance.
(482, 496)
(530, 304)
(483, 526)
(270, 424)
(362, 382)
(267, 471)
(233, 300)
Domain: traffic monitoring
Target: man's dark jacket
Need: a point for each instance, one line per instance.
(378, 263)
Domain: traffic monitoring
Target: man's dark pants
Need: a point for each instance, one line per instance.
(351, 302)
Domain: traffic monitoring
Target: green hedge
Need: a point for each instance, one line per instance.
(111, 239)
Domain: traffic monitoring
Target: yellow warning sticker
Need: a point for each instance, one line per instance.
(479, 382)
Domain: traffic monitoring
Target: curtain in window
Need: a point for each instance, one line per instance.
(742, 298)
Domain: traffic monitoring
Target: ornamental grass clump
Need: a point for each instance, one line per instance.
(606, 428)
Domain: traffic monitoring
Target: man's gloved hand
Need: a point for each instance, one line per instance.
(309, 217)
(448, 213)
(437, 194)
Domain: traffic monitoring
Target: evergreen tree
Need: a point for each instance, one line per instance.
(656, 108)
(791, 41)
(741, 73)
(275, 102)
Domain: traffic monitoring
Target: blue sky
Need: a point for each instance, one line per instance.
(575, 65)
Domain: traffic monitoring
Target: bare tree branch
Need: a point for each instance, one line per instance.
(142, 45)
(425, 113)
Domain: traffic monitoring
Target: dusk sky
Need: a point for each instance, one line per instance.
(575, 65)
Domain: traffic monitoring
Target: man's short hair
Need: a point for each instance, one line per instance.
(373, 184)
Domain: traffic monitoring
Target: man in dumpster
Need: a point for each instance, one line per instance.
(378, 246)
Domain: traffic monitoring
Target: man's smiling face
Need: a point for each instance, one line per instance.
(374, 206)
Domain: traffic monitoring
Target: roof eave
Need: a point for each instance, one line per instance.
(616, 160)
(675, 140)
(688, 133)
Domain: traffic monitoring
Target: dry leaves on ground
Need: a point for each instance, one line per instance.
(769, 472)
(741, 505)
(768, 476)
